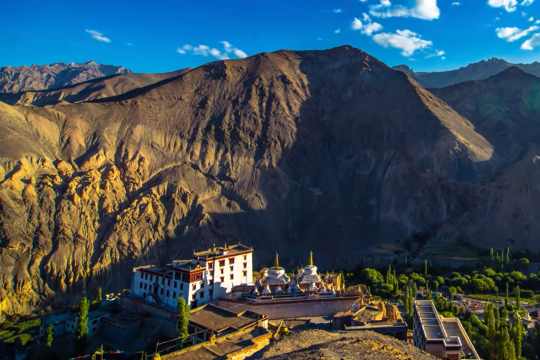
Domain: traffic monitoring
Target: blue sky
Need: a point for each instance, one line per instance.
(164, 35)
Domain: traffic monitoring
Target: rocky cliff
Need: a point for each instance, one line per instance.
(325, 150)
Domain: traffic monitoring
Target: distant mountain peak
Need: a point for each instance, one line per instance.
(15, 79)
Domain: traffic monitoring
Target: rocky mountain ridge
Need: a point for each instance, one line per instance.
(476, 71)
(16, 79)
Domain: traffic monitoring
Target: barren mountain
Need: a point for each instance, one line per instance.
(326, 150)
(476, 71)
(94, 89)
(504, 108)
(15, 79)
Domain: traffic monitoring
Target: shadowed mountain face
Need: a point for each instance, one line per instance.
(289, 151)
(43, 77)
(505, 108)
(476, 71)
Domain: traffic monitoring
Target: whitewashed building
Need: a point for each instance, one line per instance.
(208, 276)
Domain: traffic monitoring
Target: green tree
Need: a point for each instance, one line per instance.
(505, 345)
(517, 335)
(99, 296)
(507, 295)
(371, 277)
(82, 325)
(183, 319)
(518, 297)
(491, 322)
(50, 336)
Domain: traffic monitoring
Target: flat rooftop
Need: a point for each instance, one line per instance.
(292, 310)
(219, 319)
(454, 328)
(225, 250)
(430, 320)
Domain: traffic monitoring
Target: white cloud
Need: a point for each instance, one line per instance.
(367, 26)
(98, 36)
(337, 31)
(372, 28)
(509, 5)
(405, 40)
(512, 34)
(205, 50)
(532, 43)
(240, 53)
(438, 53)
(422, 9)
(456, 3)
(337, 11)
(357, 24)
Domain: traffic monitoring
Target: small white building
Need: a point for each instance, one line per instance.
(208, 276)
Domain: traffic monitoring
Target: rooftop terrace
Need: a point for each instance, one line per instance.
(226, 250)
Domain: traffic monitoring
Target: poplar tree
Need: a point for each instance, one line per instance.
(99, 297)
(518, 297)
(50, 336)
(183, 319)
(82, 326)
(517, 335)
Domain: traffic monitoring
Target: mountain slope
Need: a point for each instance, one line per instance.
(505, 108)
(90, 90)
(45, 77)
(476, 71)
(285, 151)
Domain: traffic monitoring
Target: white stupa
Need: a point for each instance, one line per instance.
(276, 275)
(309, 278)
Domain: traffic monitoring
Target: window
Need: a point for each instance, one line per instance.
(174, 294)
(210, 265)
(231, 268)
(222, 271)
(211, 293)
(222, 279)
(231, 260)
(140, 285)
(167, 293)
(201, 294)
(245, 257)
(161, 291)
(168, 282)
(194, 286)
(244, 273)
(232, 276)
(176, 284)
(181, 286)
(222, 263)
(193, 297)
(245, 265)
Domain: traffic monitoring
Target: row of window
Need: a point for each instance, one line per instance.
(222, 262)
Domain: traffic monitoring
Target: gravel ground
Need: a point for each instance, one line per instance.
(322, 344)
